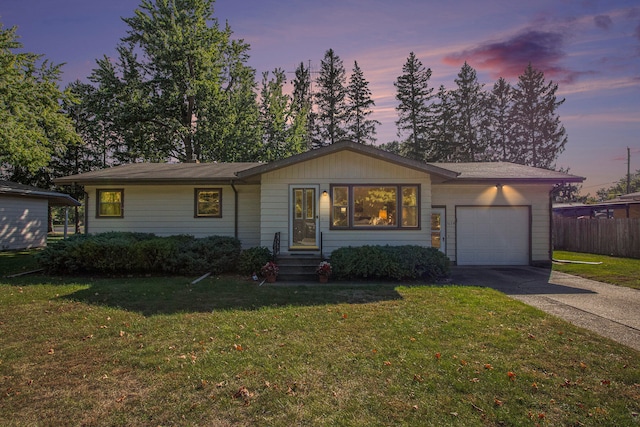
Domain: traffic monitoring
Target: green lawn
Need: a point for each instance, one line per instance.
(618, 271)
(161, 351)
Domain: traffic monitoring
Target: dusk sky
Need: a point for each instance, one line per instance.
(591, 48)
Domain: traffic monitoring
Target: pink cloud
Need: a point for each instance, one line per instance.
(509, 58)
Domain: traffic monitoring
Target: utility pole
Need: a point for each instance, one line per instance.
(628, 170)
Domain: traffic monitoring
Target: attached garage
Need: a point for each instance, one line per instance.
(493, 235)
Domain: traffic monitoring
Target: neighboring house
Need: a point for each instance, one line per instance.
(624, 206)
(345, 194)
(24, 213)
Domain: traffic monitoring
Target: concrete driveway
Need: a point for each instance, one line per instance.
(611, 311)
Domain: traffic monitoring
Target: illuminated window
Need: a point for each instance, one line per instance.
(110, 203)
(374, 206)
(208, 202)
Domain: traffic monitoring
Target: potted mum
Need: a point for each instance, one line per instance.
(270, 271)
(324, 271)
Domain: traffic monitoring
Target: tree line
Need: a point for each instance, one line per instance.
(180, 89)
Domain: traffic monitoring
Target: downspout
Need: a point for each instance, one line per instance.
(86, 213)
(551, 224)
(235, 211)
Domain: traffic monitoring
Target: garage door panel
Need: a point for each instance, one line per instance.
(492, 235)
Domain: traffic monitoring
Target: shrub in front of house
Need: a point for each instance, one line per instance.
(251, 260)
(215, 254)
(389, 262)
(131, 253)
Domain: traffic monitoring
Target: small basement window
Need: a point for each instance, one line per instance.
(208, 202)
(110, 203)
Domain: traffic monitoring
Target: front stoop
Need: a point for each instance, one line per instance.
(298, 267)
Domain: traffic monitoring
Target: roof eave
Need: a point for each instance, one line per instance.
(503, 180)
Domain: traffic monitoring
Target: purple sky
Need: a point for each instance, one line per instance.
(591, 48)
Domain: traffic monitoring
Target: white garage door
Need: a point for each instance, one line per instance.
(497, 235)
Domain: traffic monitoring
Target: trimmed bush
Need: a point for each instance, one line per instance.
(126, 253)
(252, 259)
(389, 262)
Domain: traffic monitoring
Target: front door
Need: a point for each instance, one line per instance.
(438, 239)
(304, 218)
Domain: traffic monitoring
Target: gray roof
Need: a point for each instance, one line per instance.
(508, 172)
(20, 190)
(221, 173)
(161, 173)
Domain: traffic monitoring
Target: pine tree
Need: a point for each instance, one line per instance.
(331, 99)
(539, 135)
(442, 132)
(500, 123)
(361, 128)
(281, 136)
(302, 103)
(414, 112)
(470, 137)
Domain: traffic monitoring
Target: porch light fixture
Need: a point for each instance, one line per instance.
(324, 193)
(499, 186)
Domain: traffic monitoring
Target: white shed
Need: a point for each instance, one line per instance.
(24, 213)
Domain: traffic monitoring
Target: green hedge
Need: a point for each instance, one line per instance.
(252, 259)
(389, 262)
(126, 253)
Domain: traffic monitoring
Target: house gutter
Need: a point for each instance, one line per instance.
(235, 210)
(553, 190)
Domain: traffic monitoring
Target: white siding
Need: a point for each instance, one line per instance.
(23, 222)
(534, 196)
(169, 209)
(340, 168)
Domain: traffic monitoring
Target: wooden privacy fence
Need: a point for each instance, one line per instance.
(616, 237)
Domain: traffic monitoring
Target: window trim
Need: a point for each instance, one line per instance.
(99, 191)
(399, 206)
(196, 192)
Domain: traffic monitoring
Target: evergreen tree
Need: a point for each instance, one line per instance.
(189, 96)
(331, 99)
(33, 127)
(361, 128)
(303, 116)
(500, 123)
(281, 134)
(442, 133)
(538, 133)
(470, 120)
(414, 111)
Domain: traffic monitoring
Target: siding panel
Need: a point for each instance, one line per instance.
(23, 222)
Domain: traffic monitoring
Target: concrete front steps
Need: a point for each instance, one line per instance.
(298, 267)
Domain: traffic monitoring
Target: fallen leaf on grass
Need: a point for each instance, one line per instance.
(387, 363)
(488, 366)
(51, 351)
(438, 356)
(497, 402)
(511, 375)
(237, 347)
(243, 393)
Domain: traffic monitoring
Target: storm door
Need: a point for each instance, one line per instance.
(438, 239)
(304, 218)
